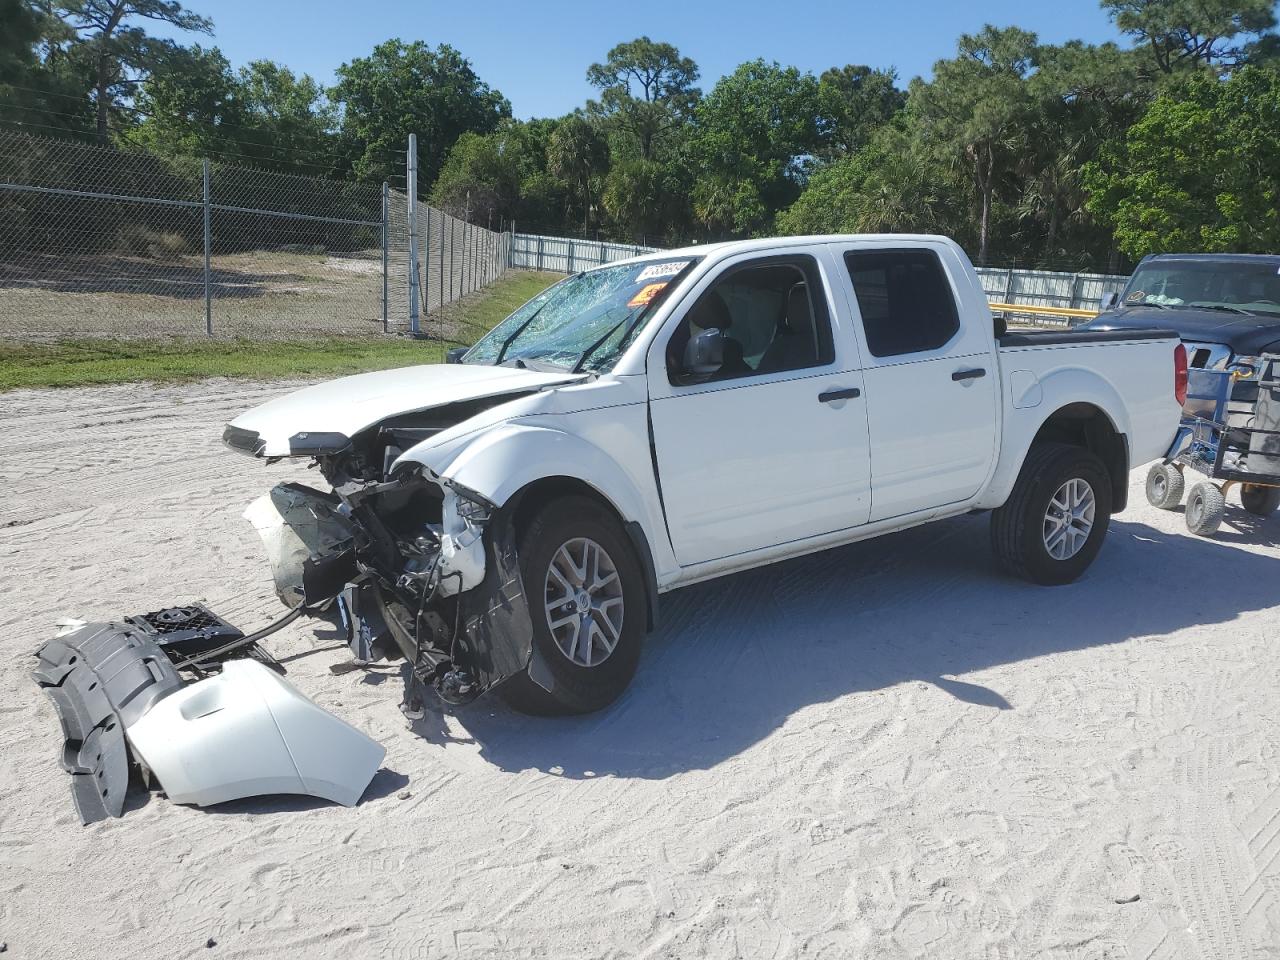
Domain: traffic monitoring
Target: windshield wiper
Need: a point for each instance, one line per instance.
(582, 357)
(1227, 308)
(502, 351)
(534, 363)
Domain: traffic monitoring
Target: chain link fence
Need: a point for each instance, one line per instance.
(96, 241)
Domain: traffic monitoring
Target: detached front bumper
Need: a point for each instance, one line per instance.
(240, 732)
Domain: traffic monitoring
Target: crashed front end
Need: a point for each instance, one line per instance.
(419, 566)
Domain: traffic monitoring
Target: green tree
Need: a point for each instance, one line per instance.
(191, 106)
(289, 119)
(262, 114)
(855, 101)
(112, 40)
(647, 199)
(401, 89)
(483, 175)
(1084, 97)
(19, 30)
(753, 134)
(892, 185)
(975, 112)
(646, 91)
(578, 154)
(1199, 172)
(1193, 32)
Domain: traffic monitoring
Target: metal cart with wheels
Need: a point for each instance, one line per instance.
(1230, 447)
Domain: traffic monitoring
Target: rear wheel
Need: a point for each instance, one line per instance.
(586, 594)
(1206, 506)
(1053, 523)
(1165, 484)
(1259, 500)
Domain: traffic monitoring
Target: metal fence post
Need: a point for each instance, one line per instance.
(452, 241)
(386, 235)
(426, 259)
(208, 243)
(411, 181)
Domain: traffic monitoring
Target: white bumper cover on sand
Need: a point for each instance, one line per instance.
(247, 732)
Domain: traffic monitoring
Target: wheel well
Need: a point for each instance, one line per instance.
(530, 499)
(1084, 425)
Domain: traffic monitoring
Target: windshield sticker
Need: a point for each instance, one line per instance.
(646, 295)
(1136, 296)
(661, 270)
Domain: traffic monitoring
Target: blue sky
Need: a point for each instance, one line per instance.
(537, 53)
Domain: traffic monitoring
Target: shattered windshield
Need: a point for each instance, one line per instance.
(1231, 286)
(584, 322)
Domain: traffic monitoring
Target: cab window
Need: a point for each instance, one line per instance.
(773, 317)
(905, 300)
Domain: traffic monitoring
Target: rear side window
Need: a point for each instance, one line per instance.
(905, 300)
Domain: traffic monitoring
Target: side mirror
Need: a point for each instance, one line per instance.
(1109, 302)
(455, 355)
(704, 354)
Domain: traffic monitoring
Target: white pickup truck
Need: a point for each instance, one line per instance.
(511, 518)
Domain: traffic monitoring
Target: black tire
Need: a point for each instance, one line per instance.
(577, 688)
(1018, 527)
(1165, 484)
(1259, 500)
(1206, 506)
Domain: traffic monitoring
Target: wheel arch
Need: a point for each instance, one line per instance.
(522, 464)
(526, 502)
(1085, 424)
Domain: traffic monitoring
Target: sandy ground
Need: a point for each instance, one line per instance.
(887, 750)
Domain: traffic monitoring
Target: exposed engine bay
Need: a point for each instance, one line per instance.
(418, 566)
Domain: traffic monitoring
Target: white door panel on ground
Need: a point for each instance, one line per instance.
(750, 464)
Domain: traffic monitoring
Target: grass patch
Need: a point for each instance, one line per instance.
(80, 362)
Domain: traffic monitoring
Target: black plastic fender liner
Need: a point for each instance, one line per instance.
(496, 639)
(101, 678)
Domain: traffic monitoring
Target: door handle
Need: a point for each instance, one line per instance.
(847, 393)
(961, 375)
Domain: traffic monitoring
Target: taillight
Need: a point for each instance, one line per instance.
(1180, 374)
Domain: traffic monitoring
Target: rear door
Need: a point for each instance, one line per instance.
(773, 448)
(931, 378)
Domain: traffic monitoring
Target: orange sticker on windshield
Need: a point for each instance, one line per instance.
(646, 295)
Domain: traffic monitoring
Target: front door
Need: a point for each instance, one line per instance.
(773, 447)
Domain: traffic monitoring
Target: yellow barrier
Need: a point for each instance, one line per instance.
(1047, 311)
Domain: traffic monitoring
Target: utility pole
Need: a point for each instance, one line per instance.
(411, 186)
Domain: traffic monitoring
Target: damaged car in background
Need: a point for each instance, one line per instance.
(507, 520)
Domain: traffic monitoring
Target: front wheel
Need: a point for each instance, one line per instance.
(1053, 524)
(586, 595)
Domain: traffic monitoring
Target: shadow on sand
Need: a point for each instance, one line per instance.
(733, 658)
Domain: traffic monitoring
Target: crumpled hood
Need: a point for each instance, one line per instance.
(1244, 335)
(325, 416)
